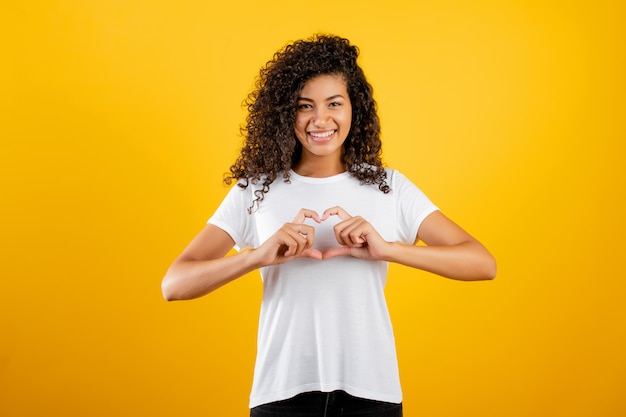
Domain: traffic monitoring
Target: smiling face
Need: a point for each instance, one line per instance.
(323, 121)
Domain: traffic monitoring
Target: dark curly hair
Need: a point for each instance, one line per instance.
(270, 145)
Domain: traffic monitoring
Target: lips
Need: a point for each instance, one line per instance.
(322, 136)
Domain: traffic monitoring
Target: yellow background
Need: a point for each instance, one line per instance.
(118, 119)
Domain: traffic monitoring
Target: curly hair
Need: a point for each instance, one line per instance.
(271, 147)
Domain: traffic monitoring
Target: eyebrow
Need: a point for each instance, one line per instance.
(328, 99)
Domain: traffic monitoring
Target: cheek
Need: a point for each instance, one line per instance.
(347, 119)
(300, 132)
(300, 125)
(347, 114)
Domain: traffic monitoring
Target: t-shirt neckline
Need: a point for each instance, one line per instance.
(322, 180)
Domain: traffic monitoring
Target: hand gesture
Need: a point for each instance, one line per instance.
(293, 240)
(357, 237)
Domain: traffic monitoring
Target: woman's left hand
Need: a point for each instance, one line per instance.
(449, 251)
(357, 237)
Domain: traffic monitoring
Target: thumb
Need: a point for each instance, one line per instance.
(311, 253)
(337, 251)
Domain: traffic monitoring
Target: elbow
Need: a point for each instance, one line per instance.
(176, 286)
(489, 269)
(168, 290)
(491, 274)
(481, 269)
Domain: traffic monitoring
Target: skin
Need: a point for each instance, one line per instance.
(322, 124)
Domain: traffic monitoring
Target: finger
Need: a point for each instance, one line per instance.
(288, 246)
(311, 253)
(300, 236)
(336, 251)
(336, 211)
(351, 232)
(304, 214)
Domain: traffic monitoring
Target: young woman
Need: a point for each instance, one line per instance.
(321, 218)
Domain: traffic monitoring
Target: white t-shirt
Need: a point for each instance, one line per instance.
(324, 324)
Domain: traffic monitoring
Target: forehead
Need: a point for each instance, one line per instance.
(325, 85)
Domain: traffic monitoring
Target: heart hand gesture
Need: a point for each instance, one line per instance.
(357, 238)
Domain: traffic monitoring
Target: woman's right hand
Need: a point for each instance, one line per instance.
(203, 266)
(293, 240)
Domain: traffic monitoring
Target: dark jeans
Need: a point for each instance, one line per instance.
(327, 404)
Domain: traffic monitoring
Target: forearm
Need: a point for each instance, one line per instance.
(188, 279)
(467, 261)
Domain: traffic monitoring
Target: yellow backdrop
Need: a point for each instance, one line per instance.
(118, 119)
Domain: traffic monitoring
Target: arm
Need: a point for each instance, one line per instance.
(450, 252)
(204, 267)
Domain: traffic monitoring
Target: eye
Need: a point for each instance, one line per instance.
(334, 104)
(304, 106)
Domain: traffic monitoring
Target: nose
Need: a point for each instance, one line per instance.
(321, 116)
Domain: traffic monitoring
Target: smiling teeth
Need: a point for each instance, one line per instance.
(322, 135)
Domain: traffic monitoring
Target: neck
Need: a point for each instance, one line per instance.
(319, 169)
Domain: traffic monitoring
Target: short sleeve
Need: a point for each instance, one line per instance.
(232, 216)
(412, 207)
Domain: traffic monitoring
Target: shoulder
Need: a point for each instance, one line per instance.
(403, 186)
(395, 177)
(258, 183)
